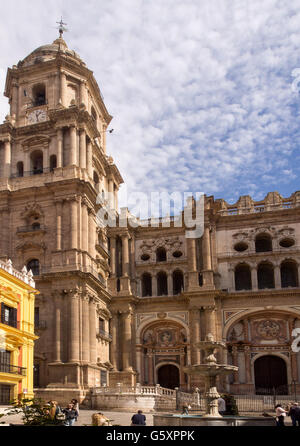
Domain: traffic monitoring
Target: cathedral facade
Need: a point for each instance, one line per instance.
(128, 304)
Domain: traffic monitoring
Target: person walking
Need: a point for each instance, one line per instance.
(221, 406)
(280, 415)
(75, 406)
(138, 419)
(294, 413)
(71, 415)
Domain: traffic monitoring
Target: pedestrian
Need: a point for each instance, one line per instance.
(280, 415)
(71, 415)
(54, 409)
(75, 405)
(294, 413)
(221, 406)
(138, 419)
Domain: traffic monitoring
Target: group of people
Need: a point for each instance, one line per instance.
(66, 416)
(292, 410)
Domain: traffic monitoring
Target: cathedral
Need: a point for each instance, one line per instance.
(128, 304)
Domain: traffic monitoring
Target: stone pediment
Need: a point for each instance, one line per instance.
(35, 140)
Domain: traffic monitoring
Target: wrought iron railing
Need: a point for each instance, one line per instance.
(105, 335)
(16, 370)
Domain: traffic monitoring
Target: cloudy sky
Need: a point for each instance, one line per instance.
(201, 91)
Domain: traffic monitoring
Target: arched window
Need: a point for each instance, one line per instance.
(34, 266)
(178, 283)
(289, 274)
(265, 275)
(263, 243)
(161, 255)
(36, 159)
(96, 181)
(146, 285)
(242, 276)
(53, 162)
(20, 169)
(162, 284)
(39, 95)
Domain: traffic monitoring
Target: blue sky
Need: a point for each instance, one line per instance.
(201, 91)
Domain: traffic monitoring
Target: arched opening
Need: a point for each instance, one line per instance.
(34, 266)
(263, 243)
(146, 285)
(96, 181)
(265, 276)
(161, 255)
(289, 274)
(270, 374)
(242, 276)
(20, 169)
(240, 246)
(168, 376)
(53, 162)
(36, 159)
(178, 284)
(162, 284)
(39, 95)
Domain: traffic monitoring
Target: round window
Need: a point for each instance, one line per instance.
(145, 257)
(286, 242)
(241, 246)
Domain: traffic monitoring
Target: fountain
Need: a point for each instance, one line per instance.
(210, 370)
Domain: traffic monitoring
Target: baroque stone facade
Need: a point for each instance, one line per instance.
(128, 304)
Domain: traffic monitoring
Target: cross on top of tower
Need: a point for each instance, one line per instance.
(61, 27)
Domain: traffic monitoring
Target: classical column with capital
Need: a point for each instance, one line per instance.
(92, 330)
(57, 329)
(85, 329)
(114, 341)
(82, 149)
(63, 88)
(210, 321)
(14, 99)
(170, 283)
(73, 146)
(89, 158)
(254, 277)
(74, 223)
(195, 338)
(7, 158)
(85, 225)
(126, 341)
(59, 148)
(59, 205)
(208, 279)
(113, 255)
(73, 346)
(192, 263)
(277, 276)
(83, 93)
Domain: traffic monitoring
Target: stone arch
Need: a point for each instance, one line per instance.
(153, 320)
(242, 277)
(275, 355)
(167, 365)
(263, 242)
(265, 275)
(289, 273)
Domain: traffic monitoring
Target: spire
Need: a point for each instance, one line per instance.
(61, 27)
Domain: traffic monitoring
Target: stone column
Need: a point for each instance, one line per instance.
(206, 249)
(73, 145)
(83, 93)
(191, 250)
(85, 225)
(138, 350)
(63, 88)
(150, 370)
(195, 337)
(73, 340)
(277, 276)
(93, 340)
(92, 234)
(170, 283)
(210, 320)
(114, 343)
(111, 198)
(59, 148)
(154, 285)
(82, 147)
(57, 329)
(126, 341)
(113, 256)
(235, 362)
(254, 278)
(73, 225)
(247, 354)
(7, 158)
(46, 159)
(181, 373)
(89, 158)
(85, 329)
(14, 99)
(58, 225)
(125, 255)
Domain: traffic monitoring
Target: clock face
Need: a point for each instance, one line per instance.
(37, 116)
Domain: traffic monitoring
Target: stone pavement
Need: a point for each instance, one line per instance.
(85, 417)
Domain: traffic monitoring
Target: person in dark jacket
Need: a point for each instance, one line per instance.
(138, 419)
(71, 415)
(294, 413)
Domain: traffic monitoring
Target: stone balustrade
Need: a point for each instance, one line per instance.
(24, 275)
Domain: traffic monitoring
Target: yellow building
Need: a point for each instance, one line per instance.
(17, 294)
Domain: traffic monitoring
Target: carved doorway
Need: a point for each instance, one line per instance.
(168, 376)
(270, 375)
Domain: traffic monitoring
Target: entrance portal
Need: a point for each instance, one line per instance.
(270, 375)
(168, 376)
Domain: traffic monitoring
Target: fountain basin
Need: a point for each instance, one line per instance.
(199, 420)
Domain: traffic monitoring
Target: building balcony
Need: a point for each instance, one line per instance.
(31, 228)
(12, 323)
(40, 325)
(29, 173)
(104, 335)
(12, 369)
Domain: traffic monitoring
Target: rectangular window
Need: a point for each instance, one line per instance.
(8, 315)
(101, 324)
(5, 357)
(103, 377)
(36, 317)
(5, 394)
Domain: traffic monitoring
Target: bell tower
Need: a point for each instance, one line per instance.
(53, 166)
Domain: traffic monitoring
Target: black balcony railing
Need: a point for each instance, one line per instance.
(16, 370)
(40, 325)
(11, 323)
(31, 228)
(29, 173)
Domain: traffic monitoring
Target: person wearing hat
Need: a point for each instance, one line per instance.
(294, 413)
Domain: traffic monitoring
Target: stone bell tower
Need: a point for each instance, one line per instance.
(53, 166)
